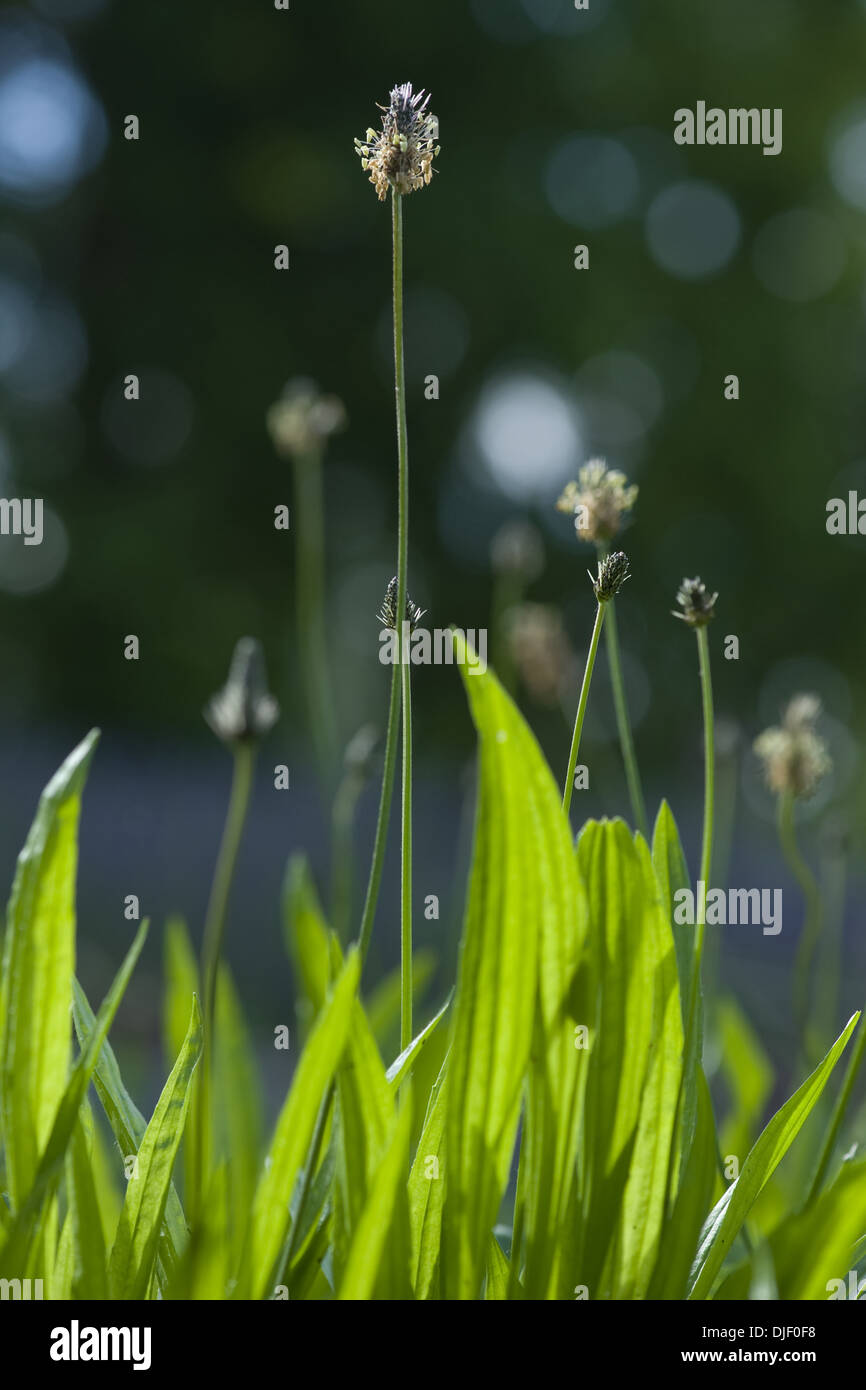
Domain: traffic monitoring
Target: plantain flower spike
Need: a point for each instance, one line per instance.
(697, 603)
(599, 501)
(303, 418)
(243, 710)
(795, 758)
(613, 571)
(401, 154)
(387, 614)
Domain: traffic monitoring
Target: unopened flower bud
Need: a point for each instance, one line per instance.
(243, 710)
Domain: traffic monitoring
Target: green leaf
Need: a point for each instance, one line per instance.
(306, 936)
(133, 1255)
(682, 1229)
(727, 1217)
(631, 963)
(239, 1105)
(38, 965)
(294, 1130)
(645, 1196)
(84, 1218)
(558, 1066)
(181, 983)
(672, 875)
(402, 1066)
(513, 868)
(813, 1249)
(427, 1195)
(498, 1273)
(32, 1211)
(128, 1126)
(381, 1238)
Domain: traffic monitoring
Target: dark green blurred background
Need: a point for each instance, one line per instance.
(156, 257)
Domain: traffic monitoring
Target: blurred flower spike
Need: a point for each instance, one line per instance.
(697, 603)
(599, 501)
(303, 419)
(244, 710)
(795, 758)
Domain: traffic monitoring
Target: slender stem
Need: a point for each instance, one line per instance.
(402, 567)
(310, 609)
(707, 844)
(214, 931)
(406, 882)
(389, 771)
(839, 1113)
(626, 740)
(623, 722)
(812, 924)
(581, 709)
(385, 798)
(709, 785)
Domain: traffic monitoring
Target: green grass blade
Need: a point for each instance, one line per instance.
(134, 1253)
(624, 944)
(128, 1126)
(38, 965)
(645, 1196)
(813, 1250)
(494, 1011)
(726, 1219)
(682, 1230)
(240, 1106)
(26, 1226)
(558, 1069)
(294, 1130)
(402, 1066)
(427, 1195)
(85, 1219)
(381, 1239)
(498, 1273)
(671, 872)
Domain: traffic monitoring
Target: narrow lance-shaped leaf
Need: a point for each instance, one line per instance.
(135, 1245)
(15, 1252)
(38, 965)
(294, 1131)
(725, 1221)
(127, 1125)
(495, 1002)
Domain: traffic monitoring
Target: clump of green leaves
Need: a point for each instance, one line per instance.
(546, 1135)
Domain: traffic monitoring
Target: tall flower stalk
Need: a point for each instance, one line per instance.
(698, 610)
(612, 574)
(300, 424)
(399, 159)
(240, 715)
(795, 759)
(600, 501)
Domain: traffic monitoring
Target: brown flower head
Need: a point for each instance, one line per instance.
(697, 603)
(401, 154)
(613, 571)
